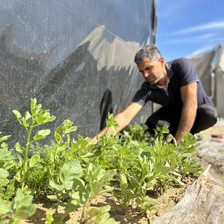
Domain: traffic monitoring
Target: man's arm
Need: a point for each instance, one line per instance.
(123, 119)
(189, 110)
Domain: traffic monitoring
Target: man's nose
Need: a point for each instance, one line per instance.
(145, 74)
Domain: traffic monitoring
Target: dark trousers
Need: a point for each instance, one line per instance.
(205, 118)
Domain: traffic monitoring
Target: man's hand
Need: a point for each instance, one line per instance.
(122, 119)
(93, 141)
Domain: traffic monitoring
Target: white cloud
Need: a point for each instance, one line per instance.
(202, 50)
(195, 39)
(208, 26)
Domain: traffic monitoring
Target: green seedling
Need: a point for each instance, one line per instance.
(35, 118)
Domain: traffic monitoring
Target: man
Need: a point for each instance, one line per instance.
(176, 86)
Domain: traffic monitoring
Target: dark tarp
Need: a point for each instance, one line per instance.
(210, 66)
(75, 57)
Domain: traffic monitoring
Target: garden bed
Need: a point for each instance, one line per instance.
(164, 202)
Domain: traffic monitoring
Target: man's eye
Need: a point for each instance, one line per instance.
(148, 68)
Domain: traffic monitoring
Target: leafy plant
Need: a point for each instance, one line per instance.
(72, 192)
(52, 157)
(29, 121)
(20, 208)
(7, 163)
(145, 166)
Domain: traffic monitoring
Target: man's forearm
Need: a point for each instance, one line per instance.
(187, 119)
(122, 119)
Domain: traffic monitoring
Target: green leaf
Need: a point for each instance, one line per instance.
(94, 211)
(4, 138)
(23, 205)
(68, 127)
(44, 117)
(49, 218)
(70, 170)
(34, 160)
(19, 148)
(3, 173)
(5, 155)
(4, 208)
(28, 118)
(42, 134)
(65, 128)
(101, 215)
(111, 122)
(123, 184)
(87, 155)
(3, 177)
(33, 104)
(80, 193)
(97, 178)
(6, 159)
(40, 116)
(18, 116)
(53, 197)
(55, 186)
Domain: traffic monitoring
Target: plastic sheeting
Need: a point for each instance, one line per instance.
(75, 57)
(210, 66)
(202, 203)
(203, 200)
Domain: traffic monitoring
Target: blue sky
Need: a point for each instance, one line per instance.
(189, 27)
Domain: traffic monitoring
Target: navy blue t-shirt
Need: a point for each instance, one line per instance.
(181, 72)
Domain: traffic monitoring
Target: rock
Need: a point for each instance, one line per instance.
(211, 151)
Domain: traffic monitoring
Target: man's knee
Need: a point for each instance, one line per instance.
(164, 116)
(206, 117)
(208, 112)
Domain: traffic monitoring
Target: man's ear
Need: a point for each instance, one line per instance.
(161, 59)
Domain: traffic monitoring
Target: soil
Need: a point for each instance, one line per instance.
(164, 203)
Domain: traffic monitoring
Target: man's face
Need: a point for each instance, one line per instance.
(153, 70)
